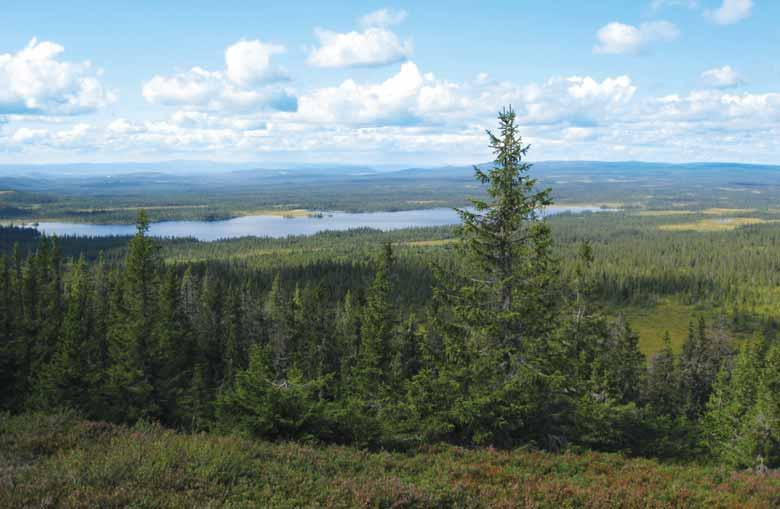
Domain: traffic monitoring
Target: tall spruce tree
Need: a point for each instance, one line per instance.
(739, 418)
(492, 321)
(508, 247)
(661, 389)
(66, 381)
(377, 330)
(9, 358)
(130, 392)
(701, 359)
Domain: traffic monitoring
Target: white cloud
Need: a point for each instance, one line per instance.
(34, 81)
(122, 126)
(731, 11)
(617, 38)
(196, 86)
(248, 63)
(74, 137)
(199, 119)
(578, 133)
(383, 18)
(26, 135)
(415, 117)
(405, 98)
(712, 106)
(411, 98)
(722, 77)
(375, 45)
(245, 85)
(564, 101)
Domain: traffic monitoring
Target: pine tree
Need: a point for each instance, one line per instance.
(210, 329)
(734, 395)
(628, 362)
(175, 348)
(661, 389)
(9, 355)
(101, 311)
(377, 330)
(488, 385)
(700, 361)
(508, 247)
(742, 423)
(278, 314)
(66, 381)
(761, 429)
(236, 354)
(47, 311)
(263, 407)
(348, 334)
(129, 380)
(406, 362)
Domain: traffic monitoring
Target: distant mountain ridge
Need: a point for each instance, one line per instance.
(211, 168)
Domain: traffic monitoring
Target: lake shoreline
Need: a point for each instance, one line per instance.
(279, 226)
(295, 213)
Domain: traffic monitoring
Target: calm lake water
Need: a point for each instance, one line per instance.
(277, 226)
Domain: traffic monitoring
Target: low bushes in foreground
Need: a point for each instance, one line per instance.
(61, 461)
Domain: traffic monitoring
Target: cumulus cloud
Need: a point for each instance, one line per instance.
(731, 11)
(75, 137)
(248, 63)
(34, 81)
(246, 83)
(374, 46)
(405, 98)
(564, 101)
(27, 135)
(199, 119)
(617, 38)
(123, 126)
(712, 106)
(413, 98)
(419, 117)
(722, 77)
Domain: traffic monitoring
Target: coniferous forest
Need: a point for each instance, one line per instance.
(510, 332)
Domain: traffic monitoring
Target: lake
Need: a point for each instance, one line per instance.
(278, 226)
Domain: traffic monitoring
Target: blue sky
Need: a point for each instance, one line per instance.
(388, 83)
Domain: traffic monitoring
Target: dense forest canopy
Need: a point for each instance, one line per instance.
(508, 330)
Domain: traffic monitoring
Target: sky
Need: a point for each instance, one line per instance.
(388, 83)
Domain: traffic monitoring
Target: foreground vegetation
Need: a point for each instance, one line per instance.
(61, 461)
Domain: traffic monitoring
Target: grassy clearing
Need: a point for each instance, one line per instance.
(429, 243)
(276, 212)
(727, 212)
(600, 205)
(155, 207)
(60, 461)
(715, 225)
(664, 213)
(651, 322)
(425, 202)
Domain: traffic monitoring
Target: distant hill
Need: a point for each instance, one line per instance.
(212, 168)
